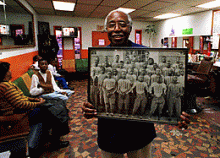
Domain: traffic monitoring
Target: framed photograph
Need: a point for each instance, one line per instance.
(139, 84)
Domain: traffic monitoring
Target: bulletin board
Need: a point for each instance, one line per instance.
(215, 28)
(215, 22)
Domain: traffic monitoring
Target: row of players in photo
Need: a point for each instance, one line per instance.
(137, 95)
(149, 74)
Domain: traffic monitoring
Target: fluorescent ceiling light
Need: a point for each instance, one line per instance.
(165, 16)
(66, 6)
(212, 4)
(126, 10)
(2, 3)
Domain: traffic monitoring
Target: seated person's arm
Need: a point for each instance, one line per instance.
(56, 88)
(35, 88)
(50, 67)
(19, 100)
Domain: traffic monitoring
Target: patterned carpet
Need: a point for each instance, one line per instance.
(200, 140)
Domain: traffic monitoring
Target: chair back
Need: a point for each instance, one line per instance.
(14, 127)
(205, 67)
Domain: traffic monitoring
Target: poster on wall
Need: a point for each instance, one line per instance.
(139, 84)
(215, 21)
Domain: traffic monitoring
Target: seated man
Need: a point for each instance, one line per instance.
(44, 85)
(57, 76)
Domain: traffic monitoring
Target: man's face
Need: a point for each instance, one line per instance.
(8, 76)
(53, 63)
(96, 60)
(158, 71)
(174, 79)
(168, 65)
(43, 65)
(118, 29)
(141, 78)
(123, 74)
(117, 58)
(114, 71)
(163, 59)
(109, 74)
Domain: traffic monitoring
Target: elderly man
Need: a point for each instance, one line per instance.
(116, 137)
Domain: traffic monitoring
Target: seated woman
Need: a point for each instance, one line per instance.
(12, 100)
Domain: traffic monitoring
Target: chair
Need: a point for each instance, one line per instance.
(197, 80)
(14, 127)
(69, 65)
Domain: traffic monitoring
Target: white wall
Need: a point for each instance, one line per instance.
(200, 22)
(88, 25)
(5, 53)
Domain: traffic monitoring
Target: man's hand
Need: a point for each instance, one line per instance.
(183, 124)
(40, 101)
(88, 110)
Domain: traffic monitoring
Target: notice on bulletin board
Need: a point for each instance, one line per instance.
(101, 42)
(215, 41)
(216, 23)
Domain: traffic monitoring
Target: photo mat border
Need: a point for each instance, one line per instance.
(128, 53)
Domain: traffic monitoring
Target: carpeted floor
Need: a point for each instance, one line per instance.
(200, 140)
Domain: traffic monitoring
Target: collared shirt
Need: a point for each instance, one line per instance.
(35, 90)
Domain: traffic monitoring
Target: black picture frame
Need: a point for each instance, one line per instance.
(43, 28)
(142, 89)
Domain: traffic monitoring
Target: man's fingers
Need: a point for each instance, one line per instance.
(88, 110)
(185, 114)
(184, 118)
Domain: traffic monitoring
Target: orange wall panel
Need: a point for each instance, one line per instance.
(84, 53)
(97, 35)
(20, 64)
(68, 54)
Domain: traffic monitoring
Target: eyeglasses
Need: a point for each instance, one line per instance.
(112, 25)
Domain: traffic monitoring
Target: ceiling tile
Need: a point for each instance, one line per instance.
(101, 11)
(43, 11)
(94, 2)
(144, 19)
(82, 14)
(193, 2)
(188, 10)
(152, 14)
(171, 1)
(84, 8)
(174, 7)
(63, 13)
(136, 4)
(114, 3)
(137, 13)
(157, 5)
(40, 4)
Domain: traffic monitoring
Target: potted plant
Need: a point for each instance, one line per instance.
(150, 31)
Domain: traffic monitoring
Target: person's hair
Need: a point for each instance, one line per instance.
(51, 60)
(35, 57)
(4, 67)
(129, 18)
(42, 60)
